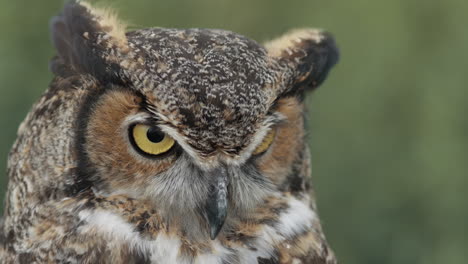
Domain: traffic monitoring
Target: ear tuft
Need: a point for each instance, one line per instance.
(109, 22)
(83, 35)
(307, 54)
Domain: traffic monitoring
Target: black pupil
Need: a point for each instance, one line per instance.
(154, 135)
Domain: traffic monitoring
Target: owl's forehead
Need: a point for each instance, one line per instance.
(201, 61)
(214, 86)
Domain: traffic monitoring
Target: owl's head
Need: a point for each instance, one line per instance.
(206, 124)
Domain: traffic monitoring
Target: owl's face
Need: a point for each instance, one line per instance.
(204, 123)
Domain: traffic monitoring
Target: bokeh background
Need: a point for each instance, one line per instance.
(388, 129)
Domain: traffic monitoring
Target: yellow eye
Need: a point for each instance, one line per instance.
(267, 140)
(151, 140)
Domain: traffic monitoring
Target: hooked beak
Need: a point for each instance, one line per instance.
(216, 205)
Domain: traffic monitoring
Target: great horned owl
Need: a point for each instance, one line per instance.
(167, 146)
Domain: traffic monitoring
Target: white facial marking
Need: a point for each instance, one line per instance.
(296, 218)
(118, 231)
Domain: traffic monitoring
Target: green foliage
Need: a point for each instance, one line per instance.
(388, 129)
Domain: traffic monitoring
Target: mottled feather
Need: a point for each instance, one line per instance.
(80, 190)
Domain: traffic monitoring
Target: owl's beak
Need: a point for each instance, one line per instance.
(217, 203)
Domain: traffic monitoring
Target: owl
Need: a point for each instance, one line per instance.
(167, 146)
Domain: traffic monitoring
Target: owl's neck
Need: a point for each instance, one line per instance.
(277, 225)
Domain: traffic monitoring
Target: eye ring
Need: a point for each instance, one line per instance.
(266, 142)
(150, 141)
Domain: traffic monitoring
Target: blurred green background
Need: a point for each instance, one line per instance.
(389, 128)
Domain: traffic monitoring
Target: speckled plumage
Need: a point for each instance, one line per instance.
(79, 191)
